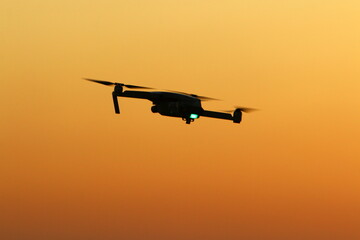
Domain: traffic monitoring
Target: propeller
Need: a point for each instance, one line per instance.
(107, 83)
(115, 83)
(194, 95)
(204, 98)
(242, 109)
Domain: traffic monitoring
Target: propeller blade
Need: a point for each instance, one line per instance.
(247, 110)
(243, 109)
(115, 83)
(100, 81)
(194, 95)
(205, 98)
(134, 86)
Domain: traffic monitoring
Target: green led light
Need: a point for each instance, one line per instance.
(194, 116)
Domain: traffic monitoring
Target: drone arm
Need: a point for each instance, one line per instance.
(220, 115)
(136, 94)
(116, 103)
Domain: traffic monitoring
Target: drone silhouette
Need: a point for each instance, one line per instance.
(172, 103)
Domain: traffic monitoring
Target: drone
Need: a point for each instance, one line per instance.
(172, 103)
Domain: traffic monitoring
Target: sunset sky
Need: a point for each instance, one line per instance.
(72, 169)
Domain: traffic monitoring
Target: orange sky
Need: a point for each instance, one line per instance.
(71, 169)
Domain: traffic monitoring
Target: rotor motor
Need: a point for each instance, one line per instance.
(237, 116)
(118, 88)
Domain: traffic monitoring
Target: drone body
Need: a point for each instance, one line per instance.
(173, 104)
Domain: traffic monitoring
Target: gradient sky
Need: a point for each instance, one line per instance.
(72, 169)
